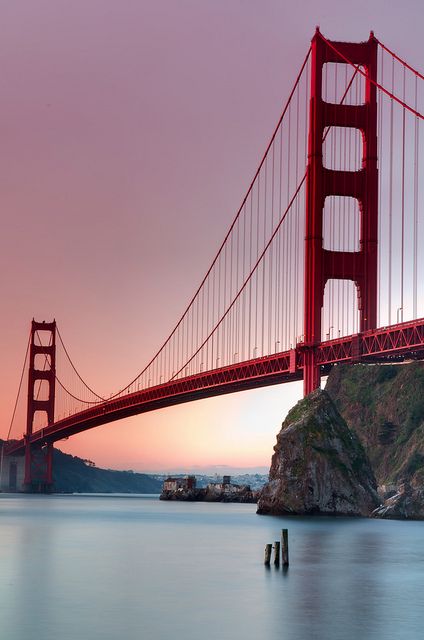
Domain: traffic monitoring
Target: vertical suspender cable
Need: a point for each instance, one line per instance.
(380, 182)
(402, 252)
(389, 296)
(416, 183)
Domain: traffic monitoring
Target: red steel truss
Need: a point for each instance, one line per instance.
(393, 343)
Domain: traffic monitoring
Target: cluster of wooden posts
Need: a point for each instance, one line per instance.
(284, 550)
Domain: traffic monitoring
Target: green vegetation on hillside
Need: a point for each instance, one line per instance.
(73, 475)
(384, 404)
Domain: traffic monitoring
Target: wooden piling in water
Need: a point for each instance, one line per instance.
(268, 549)
(285, 546)
(277, 553)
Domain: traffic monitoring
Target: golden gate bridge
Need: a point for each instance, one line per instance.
(320, 264)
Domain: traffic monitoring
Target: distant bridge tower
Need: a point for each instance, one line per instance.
(322, 264)
(38, 460)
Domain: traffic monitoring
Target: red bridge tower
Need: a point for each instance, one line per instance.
(322, 264)
(38, 460)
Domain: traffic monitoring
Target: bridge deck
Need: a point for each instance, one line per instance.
(387, 343)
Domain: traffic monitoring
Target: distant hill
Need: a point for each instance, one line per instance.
(74, 475)
(384, 404)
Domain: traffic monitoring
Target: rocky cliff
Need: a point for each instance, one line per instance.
(384, 405)
(319, 465)
(406, 504)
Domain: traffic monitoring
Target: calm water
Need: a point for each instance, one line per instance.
(126, 568)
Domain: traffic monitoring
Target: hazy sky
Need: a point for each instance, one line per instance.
(130, 131)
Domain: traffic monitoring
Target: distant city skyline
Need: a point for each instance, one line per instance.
(212, 470)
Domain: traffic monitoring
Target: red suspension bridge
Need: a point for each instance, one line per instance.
(320, 264)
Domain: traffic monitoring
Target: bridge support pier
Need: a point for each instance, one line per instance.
(12, 472)
(38, 468)
(322, 264)
(311, 372)
(39, 460)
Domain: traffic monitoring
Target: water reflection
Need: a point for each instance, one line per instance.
(115, 568)
(345, 584)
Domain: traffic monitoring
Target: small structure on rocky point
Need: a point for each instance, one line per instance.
(226, 486)
(179, 484)
(319, 465)
(226, 491)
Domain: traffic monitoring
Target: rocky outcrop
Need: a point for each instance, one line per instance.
(384, 405)
(240, 493)
(212, 493)
(319, 465)
(186, 495)
(406, 504)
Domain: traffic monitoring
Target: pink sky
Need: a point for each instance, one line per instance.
(130, 132)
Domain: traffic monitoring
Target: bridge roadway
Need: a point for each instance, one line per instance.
(400, 341)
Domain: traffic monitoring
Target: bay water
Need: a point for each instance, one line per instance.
(135, 568)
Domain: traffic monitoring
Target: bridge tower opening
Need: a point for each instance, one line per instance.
(321, 264)
(38, 459)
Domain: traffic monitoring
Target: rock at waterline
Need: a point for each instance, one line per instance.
(319, 465)
(406, 504)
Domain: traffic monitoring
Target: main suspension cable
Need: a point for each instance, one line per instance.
(405, 64)
(90, 402)
(374, 82)
(258, 262)
(19, 388)
(75, 370)
(227, 235)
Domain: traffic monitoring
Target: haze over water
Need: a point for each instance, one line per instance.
(129, 568)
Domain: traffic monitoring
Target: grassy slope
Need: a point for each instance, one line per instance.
(71, 474)
(384, 404)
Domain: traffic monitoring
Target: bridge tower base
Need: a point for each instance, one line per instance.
(12, 470)
(322, 264)
(39, 460)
